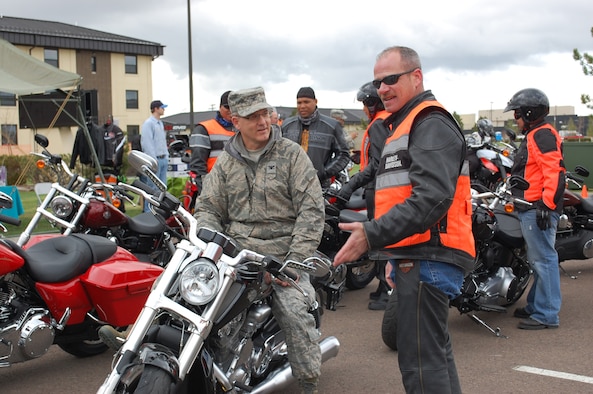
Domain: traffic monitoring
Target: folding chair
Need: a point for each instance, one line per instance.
(41, 190)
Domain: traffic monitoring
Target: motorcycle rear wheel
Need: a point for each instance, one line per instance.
(359, 276)
(389, 324)
(86, 348)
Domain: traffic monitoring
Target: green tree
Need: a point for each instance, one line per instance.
(458, 119)
(586, 62)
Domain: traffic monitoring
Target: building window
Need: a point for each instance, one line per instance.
(50, 56)
(9, 134)
(7, 99)
(131, 64)
(134, 136)
(131, 99)
(93, 64)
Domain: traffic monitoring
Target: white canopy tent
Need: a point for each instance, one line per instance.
(22, 74)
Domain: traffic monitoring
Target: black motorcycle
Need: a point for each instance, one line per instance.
(501, 271)
(574, 238)
(362, 271)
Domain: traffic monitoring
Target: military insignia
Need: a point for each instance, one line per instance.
(271, 168)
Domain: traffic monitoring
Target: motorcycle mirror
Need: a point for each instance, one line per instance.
(510, 133)
(518, 182)
(582, 171)
(138, 159)
(41, 140)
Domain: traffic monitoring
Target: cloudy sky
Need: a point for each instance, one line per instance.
(475, 54)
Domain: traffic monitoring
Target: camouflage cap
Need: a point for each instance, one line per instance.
(247, 101)
(338, 113)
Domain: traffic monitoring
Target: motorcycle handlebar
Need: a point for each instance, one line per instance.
(10, 220)
(144, 187)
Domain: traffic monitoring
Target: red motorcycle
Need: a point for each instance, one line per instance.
(76, 205)
(62, 289)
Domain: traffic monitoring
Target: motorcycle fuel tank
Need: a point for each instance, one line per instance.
(101, 213)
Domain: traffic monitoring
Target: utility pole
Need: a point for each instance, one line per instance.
(191, 79)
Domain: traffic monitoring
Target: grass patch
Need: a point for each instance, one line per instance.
(30, 203)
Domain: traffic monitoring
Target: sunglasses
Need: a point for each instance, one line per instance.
(391, 79)
(226, 106)
(517, 114)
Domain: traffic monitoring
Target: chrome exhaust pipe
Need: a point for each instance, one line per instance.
(283, 377)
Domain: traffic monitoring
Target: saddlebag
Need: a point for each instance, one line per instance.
(119, 289)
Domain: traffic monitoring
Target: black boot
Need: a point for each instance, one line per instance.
(381, 303)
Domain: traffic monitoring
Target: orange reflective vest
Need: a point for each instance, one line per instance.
(394, 187)
(218, 137)
(543, 170)
(366, 141)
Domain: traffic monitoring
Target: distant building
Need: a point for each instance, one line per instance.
(116, 72)
(178, 124)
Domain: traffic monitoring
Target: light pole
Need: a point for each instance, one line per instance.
(191, 79)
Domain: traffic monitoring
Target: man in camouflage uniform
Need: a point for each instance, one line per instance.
(263, 191)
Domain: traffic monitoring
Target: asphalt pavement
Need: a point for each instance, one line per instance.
(546, 361)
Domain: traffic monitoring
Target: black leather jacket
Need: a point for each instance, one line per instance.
(328, 149)
(437, 152)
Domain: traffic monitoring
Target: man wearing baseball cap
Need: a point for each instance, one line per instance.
(153, 140)
(263, 192)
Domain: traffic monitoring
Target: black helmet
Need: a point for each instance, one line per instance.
(532, 103)
(485, 127)
(367, 94)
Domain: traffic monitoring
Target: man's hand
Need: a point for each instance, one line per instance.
(542, 216)
(268, 278)
(355, 246)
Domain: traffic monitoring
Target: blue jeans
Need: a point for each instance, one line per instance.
(161, 173)
(446, 277)
(544, 297)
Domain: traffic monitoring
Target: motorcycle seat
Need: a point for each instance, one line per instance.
(62, 258)
(146, 223)
(350, 216)
(587, 204)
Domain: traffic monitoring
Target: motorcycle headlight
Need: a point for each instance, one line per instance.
(61, 206)
(199, 282)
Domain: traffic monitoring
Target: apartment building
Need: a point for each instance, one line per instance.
(116, 81)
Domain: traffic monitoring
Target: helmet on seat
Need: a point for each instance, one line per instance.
(367, 94)
(533, 105)
(485, 127)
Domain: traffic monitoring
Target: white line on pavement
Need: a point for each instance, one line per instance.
(554, 374)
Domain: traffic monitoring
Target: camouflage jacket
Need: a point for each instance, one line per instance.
(274, 206)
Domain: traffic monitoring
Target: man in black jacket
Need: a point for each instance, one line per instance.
(320, 136)
(422, 220)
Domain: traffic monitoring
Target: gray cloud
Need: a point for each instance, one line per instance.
(238, 44)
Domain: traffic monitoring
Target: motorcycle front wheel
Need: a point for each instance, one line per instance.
(359, 276)
(155, 380)
(389, 324)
